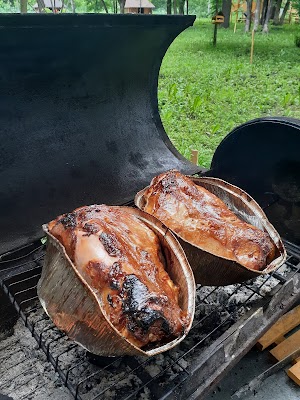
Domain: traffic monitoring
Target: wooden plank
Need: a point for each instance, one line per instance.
(294, 373)
(194, 156)
(279, 340)
(284, 325)
(296, 360)
(287, 347)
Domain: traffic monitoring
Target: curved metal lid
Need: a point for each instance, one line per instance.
(262, 157)
(79, 115)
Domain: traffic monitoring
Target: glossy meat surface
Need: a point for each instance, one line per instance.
(121, 259)
(202, 219)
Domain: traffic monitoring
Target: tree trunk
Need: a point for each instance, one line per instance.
(122, 4)
(226, 8)
(23, 6)
(73, 6)
(248, 16)
(273, 9)
(277, 12)
(256, 15)
(264, 11)
(285, 10)
(175, 6)
(169, 6)
(209, 7)
(104, 6)
(181, 6)
(266, 23)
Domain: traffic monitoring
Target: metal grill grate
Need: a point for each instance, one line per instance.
(221, 313)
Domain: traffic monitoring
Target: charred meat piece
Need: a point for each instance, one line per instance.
(202, 219)
(121, 258)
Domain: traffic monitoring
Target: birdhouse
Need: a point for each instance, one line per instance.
(138, 7)
(218, 18)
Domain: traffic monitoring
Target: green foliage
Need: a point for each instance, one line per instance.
(7, 6)
(204, 92)
(297, 41)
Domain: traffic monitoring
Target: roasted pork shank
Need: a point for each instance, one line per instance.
(202, 219)
(122, 260)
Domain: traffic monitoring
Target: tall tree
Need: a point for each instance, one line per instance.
(284, 11)
(122, 5)
(175, 6)
(267, 19)
(23, 6)
(169, 6)
(226, 9)
(264, 11)
(276, 20)
(73, 6)
(248, 16)
(181, 4)
(256, 15)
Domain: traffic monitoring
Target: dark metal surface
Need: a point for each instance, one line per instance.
(263, 158)
(252, 386)
(78, 113)
(227, 323)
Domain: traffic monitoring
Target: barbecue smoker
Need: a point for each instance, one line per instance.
(80, 125)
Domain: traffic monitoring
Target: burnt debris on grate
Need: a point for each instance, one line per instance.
(90, 377)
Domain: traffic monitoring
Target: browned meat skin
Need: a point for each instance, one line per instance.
(120, 257)
(202, 219)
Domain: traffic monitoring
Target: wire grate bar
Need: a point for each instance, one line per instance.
(22, 281)
(94, 374)
(132, 395)
(10, 354)
(4, 384)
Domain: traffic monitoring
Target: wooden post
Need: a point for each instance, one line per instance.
(216, 25)
(194, 156)
(236, 18)
(252, 46)
(23, 6)
(236, 15)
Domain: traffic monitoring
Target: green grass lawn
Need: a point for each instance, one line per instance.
(204, 92)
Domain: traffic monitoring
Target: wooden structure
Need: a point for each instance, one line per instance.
(138, 7)
(293, 15)
(218, 18)
(285, 347)
(54, 6)
(239, 9)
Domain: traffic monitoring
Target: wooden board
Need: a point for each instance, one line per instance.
(294, 373)
(286, 347)
(284, 325)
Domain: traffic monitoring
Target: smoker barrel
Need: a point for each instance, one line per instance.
(79, 114)
(262, 157)
(80, 124)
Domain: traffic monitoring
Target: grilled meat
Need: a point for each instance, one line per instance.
(121, 259)
(202, 219)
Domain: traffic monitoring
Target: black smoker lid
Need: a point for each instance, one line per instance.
(79, 114)
(262, 157)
